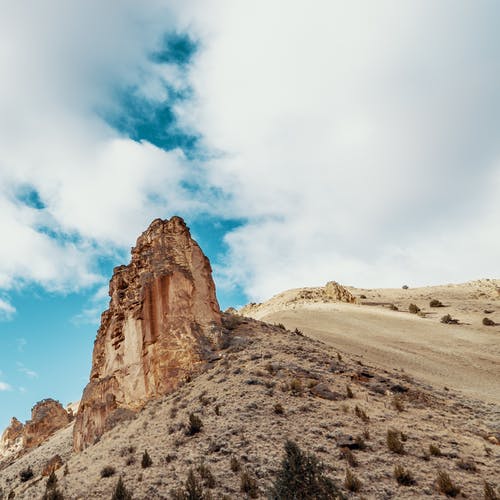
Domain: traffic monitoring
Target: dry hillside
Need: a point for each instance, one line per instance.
(379, 329)
(269, 385)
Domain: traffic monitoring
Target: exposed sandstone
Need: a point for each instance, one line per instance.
(11, 440)
(47, 417)
(163, 324)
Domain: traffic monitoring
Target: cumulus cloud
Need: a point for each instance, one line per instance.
(357, 141)
(72, 185)
(360, 141)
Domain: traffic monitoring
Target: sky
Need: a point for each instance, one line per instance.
(302, 142)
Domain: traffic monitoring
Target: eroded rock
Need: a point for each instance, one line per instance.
(47, 417)
(162, 324)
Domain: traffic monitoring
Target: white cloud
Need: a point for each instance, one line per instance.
(361, 140)
(62, 68)
(6, 310)
(5, 387)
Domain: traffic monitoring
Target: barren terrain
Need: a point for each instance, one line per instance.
(270, 385)
(463, 357)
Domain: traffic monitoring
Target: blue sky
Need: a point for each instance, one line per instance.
(302, 142)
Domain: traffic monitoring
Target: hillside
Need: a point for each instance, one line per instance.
(266, 386)
(379, 329)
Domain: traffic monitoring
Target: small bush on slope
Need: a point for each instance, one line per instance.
(302, 477)
(121, 493)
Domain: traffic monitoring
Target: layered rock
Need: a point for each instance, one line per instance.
(47, 417)
(163, 323)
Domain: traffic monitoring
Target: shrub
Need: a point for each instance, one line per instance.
(53, 494)
(435, 303)
(296, 387)
(302, 476)
(362, 296)
(488, 322)
(394, 442)
(467, 464)
(403, 476)
(248, 485)
(360, 413)
(51, 481)
(413, 308)
(26, 474)
(445, 485)
(121, 493)
(489, 492)
(108, 471)
(206, 475)
(146, 460)
(235, 464)
(435, 451)
(351, 482)
(448, 320)
(195, 425)
(278, 409)
(349, 456)
(397, 403)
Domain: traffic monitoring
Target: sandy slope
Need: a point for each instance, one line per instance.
(236, 398)
(465, 357)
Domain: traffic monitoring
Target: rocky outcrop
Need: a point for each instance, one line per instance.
(331, 292)
(335, 291)
(47, 417)
(163, 323)
(11, 440)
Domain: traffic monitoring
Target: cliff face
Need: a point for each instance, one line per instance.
(47, 417)
(163, 322)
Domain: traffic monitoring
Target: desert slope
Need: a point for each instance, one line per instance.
(269, 385)
(464, 357)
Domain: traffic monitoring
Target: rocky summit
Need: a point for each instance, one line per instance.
(162, 325)
(47, 417)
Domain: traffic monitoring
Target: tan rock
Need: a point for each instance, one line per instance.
(47, 417)
(11, 438)
(337, 292)
(162, 324)
(52, 465)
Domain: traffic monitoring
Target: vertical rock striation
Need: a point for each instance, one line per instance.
(162, 324)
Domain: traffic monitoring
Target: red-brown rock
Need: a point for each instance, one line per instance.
(47, 417)
(162, 324)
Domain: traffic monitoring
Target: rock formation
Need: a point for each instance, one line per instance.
(335, 291)
(331, 292)
(11, 440)
(162, 324)
(47, 417)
